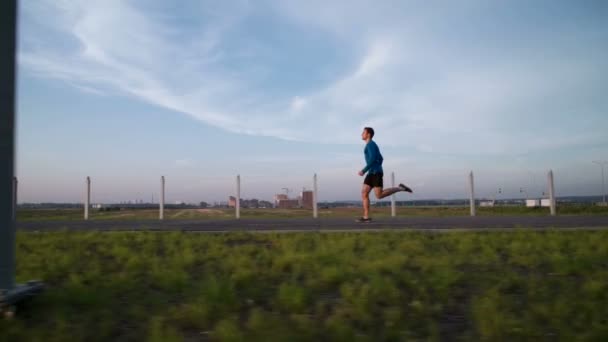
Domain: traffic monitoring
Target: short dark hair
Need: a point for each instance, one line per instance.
(370, 131)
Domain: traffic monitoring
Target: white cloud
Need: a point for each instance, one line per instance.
(378, 56)
(187, 162)
(409, 81)
(297, 103)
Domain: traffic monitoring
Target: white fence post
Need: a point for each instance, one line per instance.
(238, 196)
(315, 199)
(161, 206)
(87, 199)
(551, 193)
(472, 194)
(393, 204)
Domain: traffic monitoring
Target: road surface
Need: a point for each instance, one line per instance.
(327, 224)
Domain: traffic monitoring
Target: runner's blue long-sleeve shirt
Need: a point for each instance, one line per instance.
(373, 158)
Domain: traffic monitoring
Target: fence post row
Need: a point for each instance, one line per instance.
(472, 204)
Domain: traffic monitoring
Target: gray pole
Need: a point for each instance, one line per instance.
(8, 12)
(10, 293)
(238, 197)
(472, 194)
(393, 207)
(603, 186)
(551, 193)
(161, 207)
(601, 164)
(15, 188)
(87, 198)
(315, 210)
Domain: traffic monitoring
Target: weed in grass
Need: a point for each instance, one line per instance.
(292, 298)
(340, 327)
(228, 330)
(269, 326)
(158, 331)
(191, 316)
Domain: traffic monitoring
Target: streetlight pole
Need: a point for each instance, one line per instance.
(523, 191)
(601, 163)
(499, 191)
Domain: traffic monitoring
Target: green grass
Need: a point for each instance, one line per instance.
(388, 286)
(202, 214)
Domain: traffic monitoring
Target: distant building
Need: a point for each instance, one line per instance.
(307, 198)
(532, 203)
(265, 204)
(486, 203)
(250, 203)
(288, 203)
(279, 197)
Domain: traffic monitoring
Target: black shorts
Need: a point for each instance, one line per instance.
(374, 180)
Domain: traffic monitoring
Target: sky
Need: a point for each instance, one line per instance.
(277, 91)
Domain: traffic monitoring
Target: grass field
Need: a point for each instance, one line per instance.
(388, 286)
(189, 214)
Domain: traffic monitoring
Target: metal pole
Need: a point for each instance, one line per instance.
(551, 193)
(161, 206)
(87, 198)
(8, 12)
(472, 194)
(10, 294)
(603, 186)
(393, 207)
(315, 209)
(601, 164)
(238, 197)
(15, 188)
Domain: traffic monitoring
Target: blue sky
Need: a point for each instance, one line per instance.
(200, 91)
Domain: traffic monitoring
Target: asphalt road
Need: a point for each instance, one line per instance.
(328, 224)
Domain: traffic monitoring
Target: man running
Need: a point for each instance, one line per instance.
(373, 168)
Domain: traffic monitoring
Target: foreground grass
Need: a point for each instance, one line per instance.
(313, 286)
(202, 214)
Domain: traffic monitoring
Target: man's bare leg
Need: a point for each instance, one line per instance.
(365, 196)
(386, 192)
(380, 193)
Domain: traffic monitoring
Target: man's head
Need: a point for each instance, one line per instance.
(368, 133)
